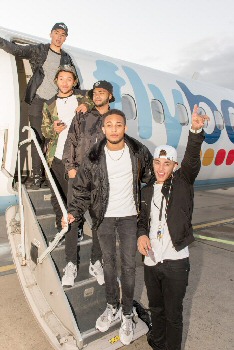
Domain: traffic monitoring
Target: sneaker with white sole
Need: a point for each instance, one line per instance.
(109, 315)
(96, 270)
(70, 273)
(126, 329)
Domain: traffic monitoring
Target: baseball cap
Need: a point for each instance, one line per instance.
(103, 84)
(60, 25)
(66, 68)
(166, 152)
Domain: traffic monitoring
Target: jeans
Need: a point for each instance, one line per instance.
(107, 232)
(166, 286)
(35, 118)
(58, 172)
(64, 188)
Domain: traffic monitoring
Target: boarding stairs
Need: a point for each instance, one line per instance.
(66, 315)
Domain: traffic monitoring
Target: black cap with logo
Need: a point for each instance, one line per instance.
(103, 84)
(60, 25)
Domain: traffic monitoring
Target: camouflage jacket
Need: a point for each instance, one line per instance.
(84, 132)
(50, 114)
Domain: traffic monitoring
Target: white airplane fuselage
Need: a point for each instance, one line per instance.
(158, 107)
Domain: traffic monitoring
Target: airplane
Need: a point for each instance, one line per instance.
(158, 108)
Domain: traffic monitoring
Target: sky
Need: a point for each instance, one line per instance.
(182, 37)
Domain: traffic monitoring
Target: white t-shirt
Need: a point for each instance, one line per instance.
(119, 167)
(66, 107)
(163, 247)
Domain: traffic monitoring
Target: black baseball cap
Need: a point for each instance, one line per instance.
(60, 25)
(103, 84)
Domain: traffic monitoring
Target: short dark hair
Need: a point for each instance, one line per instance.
(111, 112)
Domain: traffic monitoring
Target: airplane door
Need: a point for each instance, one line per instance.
(9, 120)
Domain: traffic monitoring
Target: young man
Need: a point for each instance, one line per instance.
(85, 131)
(58, 113)
(44, 60)
(108, 184)
(165, 231)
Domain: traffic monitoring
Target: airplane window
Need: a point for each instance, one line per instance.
(157, 111)
(219, 120)
(129, 106)
(182, 113)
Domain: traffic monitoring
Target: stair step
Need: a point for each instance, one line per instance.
(40, 200)
(83, 253)
(88, 301)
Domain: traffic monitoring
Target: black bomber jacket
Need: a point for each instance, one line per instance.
(91, 186)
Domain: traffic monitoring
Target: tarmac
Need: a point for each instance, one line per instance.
(209, 301)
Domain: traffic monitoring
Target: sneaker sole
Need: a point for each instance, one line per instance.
(124, 342)
(102, 329)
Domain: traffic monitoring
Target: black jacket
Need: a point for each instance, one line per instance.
(36, 54)
(85, 130)
(91, 186)
(180, 205)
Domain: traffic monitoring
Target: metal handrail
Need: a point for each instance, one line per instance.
(21, 212)
(60, 234)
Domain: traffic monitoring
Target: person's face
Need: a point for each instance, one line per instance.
(58, 36)
(101, 97)
(163, 168)
(65, 82)
(114, 128)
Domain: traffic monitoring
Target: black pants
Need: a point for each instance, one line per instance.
(35, 118)
(166, 286)
(65, 189)
(107, 231)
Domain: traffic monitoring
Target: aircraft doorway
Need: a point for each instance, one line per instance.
(24, 73)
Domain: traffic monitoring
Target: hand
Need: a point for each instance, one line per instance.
(82, 108)
(143, 244)
(72, 173)
(70, 219)
(198, 121)
(59, 128)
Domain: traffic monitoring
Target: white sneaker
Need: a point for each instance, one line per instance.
(96, 270)
(70, 273)
(126, 329)
(109, 315)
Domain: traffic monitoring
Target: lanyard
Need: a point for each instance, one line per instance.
(160, 226)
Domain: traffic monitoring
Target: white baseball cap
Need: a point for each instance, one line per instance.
(166, 152)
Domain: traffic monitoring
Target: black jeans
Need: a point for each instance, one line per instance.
(107, 231)
(166, 286)
(65, 189)
(35, 118)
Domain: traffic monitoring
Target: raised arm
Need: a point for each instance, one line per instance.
(191, 163)
(22, 51)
